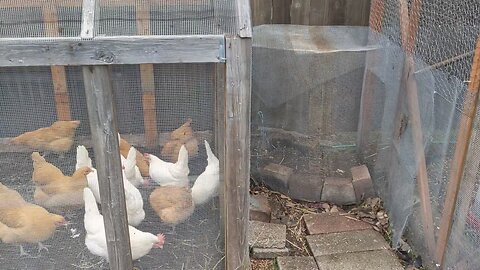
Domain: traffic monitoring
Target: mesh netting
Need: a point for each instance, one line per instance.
(118, 18)
(443, 53)
(182, 91)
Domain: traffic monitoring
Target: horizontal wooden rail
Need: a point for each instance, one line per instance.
(67, 51)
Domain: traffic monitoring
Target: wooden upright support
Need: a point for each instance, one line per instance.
(142, 9)
(59, 79)
(458, 161)
(103, 125)
(237, 150)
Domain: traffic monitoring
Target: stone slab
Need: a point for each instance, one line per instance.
(345, 242)
(305, 187)
(266, 235)
(296, 263)
(362, 182)
(338, 191)
(260, 209)
(268, 253)
(364, 260)
(332, 223)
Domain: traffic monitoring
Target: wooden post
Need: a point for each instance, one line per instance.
(458, 161)
(366, 103)
(103, 125)
(147, 78)
(409, 27)
(59, 79)
(237, 150)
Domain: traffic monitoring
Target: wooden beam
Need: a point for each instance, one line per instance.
(237, 150)
(128, 50)
(59, 79)
(244, 19)
(408, 28)
(377, 10)
(103, 125)
(147, 77)
(460, 154)
(261, 12)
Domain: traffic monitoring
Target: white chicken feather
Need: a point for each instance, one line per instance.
(133, 197)
(132, 172)
(167, 173)
(141, 242)
(207, 183)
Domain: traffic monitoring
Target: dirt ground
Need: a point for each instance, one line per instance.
(290, 212)
(196, 244)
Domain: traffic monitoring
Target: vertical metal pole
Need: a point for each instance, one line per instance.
(103, 125)
(237, 150)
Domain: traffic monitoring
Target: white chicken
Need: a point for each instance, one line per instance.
(140, 242)
(207, 183)
(132, 172)
(133, 197)
(167, 173)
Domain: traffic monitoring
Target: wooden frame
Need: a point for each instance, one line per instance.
(129, 50)
(460, 155)
(233, 75)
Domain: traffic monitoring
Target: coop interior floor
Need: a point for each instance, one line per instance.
(196, 244)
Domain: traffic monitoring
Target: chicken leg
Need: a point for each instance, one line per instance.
(23, 252)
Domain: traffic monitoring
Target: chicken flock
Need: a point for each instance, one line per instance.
(174, 199)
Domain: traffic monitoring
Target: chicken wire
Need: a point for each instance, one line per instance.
(443, 52)
(182, 91)
(306, 88)
(63, 18)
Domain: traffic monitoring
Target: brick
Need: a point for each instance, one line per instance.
(260, 209)
(362, 182)
(305, 187)
(266, 235)
(338, 191)
(364, 260)
(268, 253)
(296, 263)
(276, 176)
(345, 242)
(332, 223)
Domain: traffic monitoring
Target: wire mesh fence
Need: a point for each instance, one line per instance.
(180, 97)
(443, 36)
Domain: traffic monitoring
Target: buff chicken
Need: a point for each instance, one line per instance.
(141, 163)
(58, 137)
(181, 136)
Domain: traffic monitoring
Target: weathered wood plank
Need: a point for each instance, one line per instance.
(103, 125)
(261, 12)
(136, 140)
(59, 79)
(90, 9)
(237, 150)
(335, 12)
(244, 19)
(281, 11)
(300, 12)
(147, 77)
(458, 161)
(318, 12)
(111, 50)
(356, 12)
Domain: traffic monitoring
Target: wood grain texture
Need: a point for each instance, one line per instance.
(261, 11)
(460, 154)
(103, 125)
(237, 150)
(357, 12)
(300, 12)
(111, 50)
(281, 11)
(90, 10)
(244, 19)
(59, 79)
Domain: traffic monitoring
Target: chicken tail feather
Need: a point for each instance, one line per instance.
(211, 158)
(90, 202)
(82, 157)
